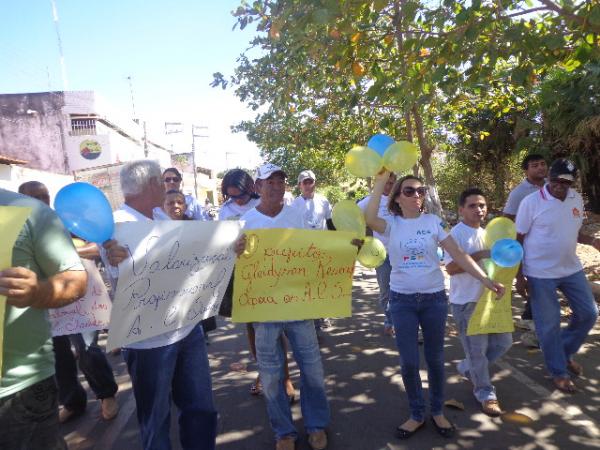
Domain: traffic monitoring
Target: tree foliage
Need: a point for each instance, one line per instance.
(325, 74)
(570, 111)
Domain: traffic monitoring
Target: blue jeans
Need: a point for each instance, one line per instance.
(383, 280)
(269, 354)
(481, 350)
(429, 311)
(560, 345)
(179, 371)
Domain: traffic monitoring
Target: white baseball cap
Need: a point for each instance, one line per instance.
(266, 170)
(305, 175)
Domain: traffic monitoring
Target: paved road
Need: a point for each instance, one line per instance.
(366, 395)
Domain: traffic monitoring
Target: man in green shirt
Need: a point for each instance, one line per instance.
(46, 273)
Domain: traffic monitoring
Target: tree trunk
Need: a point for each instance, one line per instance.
(434, 204)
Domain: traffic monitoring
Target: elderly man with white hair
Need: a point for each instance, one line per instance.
(171, 365)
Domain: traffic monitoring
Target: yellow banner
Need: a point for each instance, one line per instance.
(292, 274)
(12, 219)
(493, 315)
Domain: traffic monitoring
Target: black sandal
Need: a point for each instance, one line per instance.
(401, 433)
(446, 432)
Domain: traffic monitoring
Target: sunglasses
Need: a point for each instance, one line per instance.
(561, 181)
(236, 197)
(409, 191)
(172, 180)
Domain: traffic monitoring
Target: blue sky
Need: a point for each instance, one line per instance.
(169, 48)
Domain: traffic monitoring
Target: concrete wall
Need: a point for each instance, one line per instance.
(30, 130)
(12, 176)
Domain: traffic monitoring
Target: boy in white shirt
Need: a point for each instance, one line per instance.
(483, 349)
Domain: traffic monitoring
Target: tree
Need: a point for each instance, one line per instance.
(330, 73)
(570, 111)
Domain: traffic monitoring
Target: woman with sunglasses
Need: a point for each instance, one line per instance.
(417, 295)
(238, 189)
(172, 180)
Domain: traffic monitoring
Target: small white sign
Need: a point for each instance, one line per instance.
(89, 313)
(176, 275)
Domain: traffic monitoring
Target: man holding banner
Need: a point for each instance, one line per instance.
(172, 365)
(549, 226)
(481, 350)
(271, 213)
(44, 272)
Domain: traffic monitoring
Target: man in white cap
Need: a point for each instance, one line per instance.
(315, 207)
(272, 213)
(549, 227)
(316, 210)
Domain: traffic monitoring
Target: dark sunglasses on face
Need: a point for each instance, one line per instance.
(409, 191)
(561, 181)
(172, 180)
(236, 197)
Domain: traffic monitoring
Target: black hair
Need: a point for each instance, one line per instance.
(174, 191)
(239, 179)
(30, 185)
(467, 193)
(174, 170)
(531, 157)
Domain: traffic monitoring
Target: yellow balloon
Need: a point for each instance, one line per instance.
(78, 242)
(372, 254)
(401, 156)
(363, 162)
(347, 216)
(499, 228)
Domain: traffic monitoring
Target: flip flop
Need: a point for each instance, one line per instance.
(256, 388)
(564, 385)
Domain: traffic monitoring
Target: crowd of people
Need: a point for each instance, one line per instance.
(47, 272)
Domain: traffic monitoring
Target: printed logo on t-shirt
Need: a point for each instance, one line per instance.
(415, 249)
(576, 213)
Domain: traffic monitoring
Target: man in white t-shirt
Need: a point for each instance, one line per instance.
(481, 350)
(316, 211)
(315, 208)
(549, 227)
(173, 365)
(272, 213)
(384, 270)
(536, 171)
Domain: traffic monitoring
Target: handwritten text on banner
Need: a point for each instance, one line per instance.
(176, 276)
(89, 313)
(291, 274)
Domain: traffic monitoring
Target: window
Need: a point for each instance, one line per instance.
(80, 127)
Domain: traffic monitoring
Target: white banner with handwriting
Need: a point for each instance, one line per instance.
(90, 313)
(175, 275)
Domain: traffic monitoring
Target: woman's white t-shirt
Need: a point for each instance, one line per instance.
(230, 210)
(413, 254)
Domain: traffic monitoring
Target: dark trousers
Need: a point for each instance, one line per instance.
(29, 419)
(92, 363)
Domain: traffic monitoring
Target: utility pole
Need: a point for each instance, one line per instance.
(132, 99)
(145, 141)
(63, 68)
(195, 129)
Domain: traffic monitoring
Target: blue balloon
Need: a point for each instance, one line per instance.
(85, 211)
(507, 252)
(380, 143)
